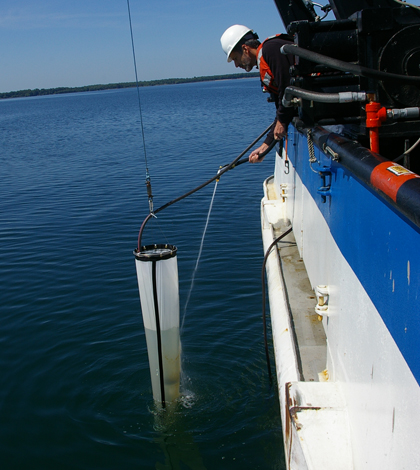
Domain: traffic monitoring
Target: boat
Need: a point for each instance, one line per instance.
(344, 284)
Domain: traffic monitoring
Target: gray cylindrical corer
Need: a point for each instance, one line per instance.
(157, 275)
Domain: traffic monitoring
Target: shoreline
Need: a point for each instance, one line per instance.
(112, 86)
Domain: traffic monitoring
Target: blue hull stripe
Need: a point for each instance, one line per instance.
(381, 245)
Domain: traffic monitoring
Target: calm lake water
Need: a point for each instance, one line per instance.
(75, 386)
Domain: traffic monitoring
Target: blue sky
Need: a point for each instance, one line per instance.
(52, 43)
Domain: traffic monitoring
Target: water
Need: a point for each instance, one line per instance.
(75, 384)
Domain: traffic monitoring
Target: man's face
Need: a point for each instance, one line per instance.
(243, 59)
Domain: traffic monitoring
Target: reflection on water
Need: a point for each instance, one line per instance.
(177, 444)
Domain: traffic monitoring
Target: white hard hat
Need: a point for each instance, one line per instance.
(231, 37)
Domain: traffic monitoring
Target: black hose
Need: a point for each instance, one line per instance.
(291, 91)
(347, 66)
(267, 355)
(342, 97)
(201, 186)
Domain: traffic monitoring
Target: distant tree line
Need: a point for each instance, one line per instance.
(112, 86)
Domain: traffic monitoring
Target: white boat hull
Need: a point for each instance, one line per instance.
(363, 411)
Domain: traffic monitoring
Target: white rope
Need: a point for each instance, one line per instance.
(199, 256)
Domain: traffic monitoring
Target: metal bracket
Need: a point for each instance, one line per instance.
(325, 189)
(329, 151)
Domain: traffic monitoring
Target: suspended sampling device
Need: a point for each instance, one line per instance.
(157, 275)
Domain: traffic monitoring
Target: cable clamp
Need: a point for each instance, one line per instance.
(218, 173)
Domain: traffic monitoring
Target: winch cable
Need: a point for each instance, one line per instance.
(148, 182)
(221, 171)
(267, 253)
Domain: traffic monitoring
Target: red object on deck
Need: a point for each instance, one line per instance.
(375, 116)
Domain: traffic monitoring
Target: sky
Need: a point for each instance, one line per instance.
(54, 43)
(70, 43)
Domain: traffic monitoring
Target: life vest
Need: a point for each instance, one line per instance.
(266, 75)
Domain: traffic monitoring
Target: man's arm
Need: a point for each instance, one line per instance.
(280, 66)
